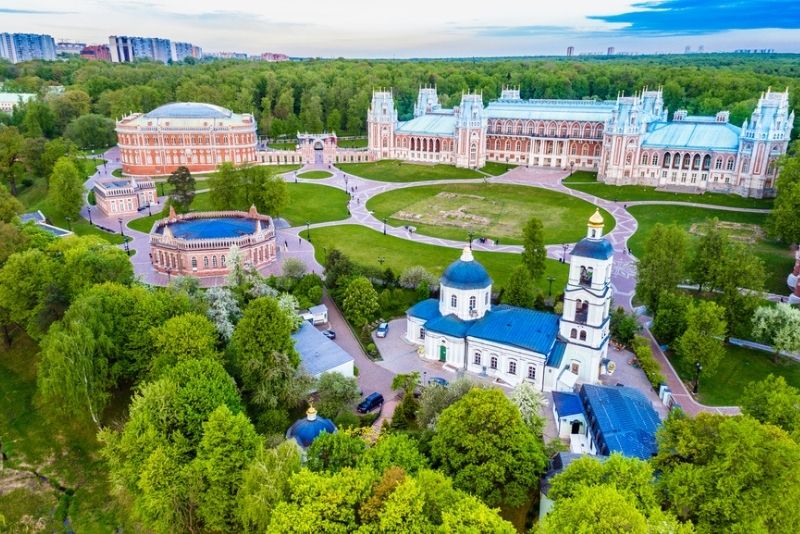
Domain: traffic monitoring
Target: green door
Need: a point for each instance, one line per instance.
(442, 353)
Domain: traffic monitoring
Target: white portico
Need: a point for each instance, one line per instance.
(464, 331)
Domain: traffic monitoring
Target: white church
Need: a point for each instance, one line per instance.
(464, 331)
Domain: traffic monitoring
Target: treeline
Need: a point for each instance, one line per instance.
(335, 94)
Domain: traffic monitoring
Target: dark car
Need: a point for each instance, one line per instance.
(438, 381)
(330, 334)
(370, 403)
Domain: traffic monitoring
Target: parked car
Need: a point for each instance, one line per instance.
(330, 334)
(438, 381)
(372, 401)
(383, 328)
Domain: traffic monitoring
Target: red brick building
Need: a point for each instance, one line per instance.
(96, 52)
(195, 135)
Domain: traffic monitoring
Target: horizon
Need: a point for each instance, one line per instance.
(354, 29)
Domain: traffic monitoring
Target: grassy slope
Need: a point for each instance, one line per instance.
(496, 169)
(397, 171)
(561, 215)
(365, 246)
(777, 258)
(587, 182)
(315, 174)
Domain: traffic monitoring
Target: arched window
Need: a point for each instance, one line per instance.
(730, 164)
(706, 162)
(667, 160)
(628, 158)
(655, 160)
(696, 162)
(194, 263)
(476, 359)
(718, 163)
(473, 302)
(686, 161)
(573, 333)
(453, 301)
(644, 159)
(222, 260)
(512, 367)
(676, 161)
(214, 261)
(493, 362)
(583, 335)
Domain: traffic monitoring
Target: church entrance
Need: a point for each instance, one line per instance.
(318, 159)
(576, 427)
(442, 353)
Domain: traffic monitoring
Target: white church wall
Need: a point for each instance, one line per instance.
(505, 354)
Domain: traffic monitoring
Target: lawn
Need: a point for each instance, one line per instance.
(451, 211)
(315, 174)
(351, 143)
(587, 182)
(400, 171)
(59, 448)
(738, 367)
(496, 169)
(366, 246)
(777, 258)
(283, 146)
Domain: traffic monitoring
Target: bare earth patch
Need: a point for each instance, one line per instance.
(743, 232)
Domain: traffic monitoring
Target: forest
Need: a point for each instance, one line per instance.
(334, 95)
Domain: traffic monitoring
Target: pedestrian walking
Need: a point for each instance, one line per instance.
(286, 244)
(299, 241)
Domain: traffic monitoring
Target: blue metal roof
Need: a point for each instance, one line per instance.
(318, 354)
(687, 134)
(567, 403)
(621, 419)
(556, 110)
(306, 431)
(556, 354)
(466, 275)
(598, 249)
(427, 309)
(437, 123)
(449, 325)
(189, 110)
(528, 329)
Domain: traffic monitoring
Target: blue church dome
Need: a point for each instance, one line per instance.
(598, 249)
(466, 273)
(306, 430)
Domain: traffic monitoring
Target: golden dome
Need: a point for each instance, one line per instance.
(596, 220)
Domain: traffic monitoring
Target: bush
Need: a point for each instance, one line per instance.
(414, 276)
(623, 326)
(347, 420)
(372, 350)
(643, 352)
(355, 370)
(90, 198)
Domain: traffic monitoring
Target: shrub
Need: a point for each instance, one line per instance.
(90, 198)
(641, 347)
(372, 350)
(348, 420)
(413, 276)
(623, 326)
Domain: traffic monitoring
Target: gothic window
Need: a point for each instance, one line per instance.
(531, 372)
(508, 145)
(686, 161)
(476, 359)
(582, 337)
(508, 127)
(518, 146)
(493, 362)
(222, 260)
(205, 262)
(696, 162)
(573, 333)
(214, 261)
(585, 150)
(706, 162)
(718, 163)
(655, 160)
(512, 367)
(676, 161)
(644, 159)
(518, 129)
(729, 166)
(453, 301)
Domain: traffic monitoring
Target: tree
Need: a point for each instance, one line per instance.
(519, 291)
(337, 393)
(530, 402)
(662, 266)
(624, 326)
(24, 282)
(360, 301)
(534, 252)
(775, 402)
(435, 399)
(182, 183)
(263, 352)
(337, 267)
(66, 188)
(782, 222)
(228, 445)
(702, 341)
(729, 474)
(12, 240)
(224, 186)
(333, 452)
(223, 310)
(91, 131)
(38, 120)
(394, 450)
(10, 207)
(778, 326)
(707, 251)
(670, 320)
(415, 276)
(293, 268)
(11, 150)
(265, 483)
(274, 193)
(595, 510)
(69, 106)
(483, 443)
(183, 337)
(404, 415)
(739, 268)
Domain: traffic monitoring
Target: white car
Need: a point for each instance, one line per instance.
(383, 328)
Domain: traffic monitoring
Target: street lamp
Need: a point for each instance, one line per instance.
(564, 257)
(127, 250)
(471, 237)
(384, 226)
(698, 367)
(308, 231)
(550, 288)
(149, 210)
(571, 167)
(89, 209)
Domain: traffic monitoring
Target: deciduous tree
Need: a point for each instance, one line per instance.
(662, 265)
(702, 341)
(360, 301)
(519, 291)
(534, 252)
(775, 402)
(778, 326)
(91, 131)
(337, 393)
(66, 188)
(183, 185)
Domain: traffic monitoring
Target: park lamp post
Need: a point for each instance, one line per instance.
(471, 237)
(127, 250)
(698, 367)
(308, 231)
(571, 167)
(550, 287)
(89, 209)
(564, 257)
(384, 226)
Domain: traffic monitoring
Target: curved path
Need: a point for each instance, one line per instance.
(291, 243)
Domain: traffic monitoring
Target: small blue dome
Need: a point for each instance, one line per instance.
(466, 273)
(598, 249)
(306, 430)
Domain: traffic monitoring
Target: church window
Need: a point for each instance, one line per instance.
(453, 301)
(718, 163)
(574, 367)
(644, 159)
(493, 362)
(422, 333)
(667, 159)
(573, 333)
(583, 335)
(473, 302)
(512, 367)
(531, 372)
(706, 162)
(729, 166)
(476, 359)
(586, 275)
(655, 160)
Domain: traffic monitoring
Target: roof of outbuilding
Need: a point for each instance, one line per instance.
(318, 354)
(567, 403)
(189, 110)
(598, 249)
(692, 134)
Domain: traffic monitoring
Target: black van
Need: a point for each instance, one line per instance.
(370, 403)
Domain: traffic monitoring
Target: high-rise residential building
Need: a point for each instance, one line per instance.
(96, 52)
(180, 51)
(570, 51)
(611, 50)
(17, 47)
(72, 48)
(125, 49)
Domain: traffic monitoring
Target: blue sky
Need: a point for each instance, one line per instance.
(421, 28)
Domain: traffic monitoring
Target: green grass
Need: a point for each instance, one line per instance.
(60, 448)
(587, 182)
(490, 210)
(777, 258)
(117, 173)
(365, 246)
(282, 146)
(351, 143)
(315, 174)
(399, 171)
(738, 367)
(496, 169)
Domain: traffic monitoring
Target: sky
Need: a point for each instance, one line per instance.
(421, 28)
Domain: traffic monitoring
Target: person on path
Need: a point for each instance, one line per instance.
(299, 241)
(286, 244)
